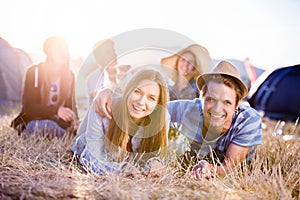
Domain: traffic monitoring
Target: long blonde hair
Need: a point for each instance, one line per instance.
(154, 126)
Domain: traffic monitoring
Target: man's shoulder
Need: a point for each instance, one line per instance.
(247, 111)
(188, 101)
(185, 104)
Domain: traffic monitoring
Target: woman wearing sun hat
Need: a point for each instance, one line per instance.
(187, 64)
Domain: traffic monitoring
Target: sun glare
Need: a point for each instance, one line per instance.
(227, 29)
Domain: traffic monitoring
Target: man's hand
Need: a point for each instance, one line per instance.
(202, 170)
(102, 103)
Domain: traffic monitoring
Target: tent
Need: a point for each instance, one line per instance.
(248, 72)
(13, 64)
(277, 93)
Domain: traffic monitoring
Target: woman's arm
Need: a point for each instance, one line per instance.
(96, 127)
(93, 155)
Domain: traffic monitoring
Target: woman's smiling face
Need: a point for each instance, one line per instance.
(142, 100)
(186, 64)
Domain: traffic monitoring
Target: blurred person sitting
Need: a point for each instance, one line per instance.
(187, 64)
(106, 59)
(105, 56)
(48, 101)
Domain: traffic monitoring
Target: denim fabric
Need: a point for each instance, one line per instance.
(99, 166)
(44, 128)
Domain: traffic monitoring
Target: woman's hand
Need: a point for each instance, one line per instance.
(130, 170)
(155, 167)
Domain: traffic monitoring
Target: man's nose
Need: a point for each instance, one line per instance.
(218, 106)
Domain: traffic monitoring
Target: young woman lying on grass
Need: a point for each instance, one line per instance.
(136, 134)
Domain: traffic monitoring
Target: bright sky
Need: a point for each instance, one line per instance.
(265, 31)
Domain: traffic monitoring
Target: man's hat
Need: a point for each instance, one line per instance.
(227, 69)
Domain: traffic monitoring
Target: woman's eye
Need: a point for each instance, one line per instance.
(152, 98)
(137, 91)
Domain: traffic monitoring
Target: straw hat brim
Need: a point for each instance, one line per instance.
(203, 62)
(204, 78)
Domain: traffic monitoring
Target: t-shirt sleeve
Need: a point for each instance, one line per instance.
(179, 109)
(174, 111)
(248, 129)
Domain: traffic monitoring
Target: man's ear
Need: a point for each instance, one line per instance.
(237, 105)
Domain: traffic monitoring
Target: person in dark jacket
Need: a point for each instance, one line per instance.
(48, 105)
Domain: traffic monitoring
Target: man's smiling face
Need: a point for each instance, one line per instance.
(219, 104)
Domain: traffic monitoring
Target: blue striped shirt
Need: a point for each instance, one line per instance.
(245, 129)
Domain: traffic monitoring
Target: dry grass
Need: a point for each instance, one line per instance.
(41, 168)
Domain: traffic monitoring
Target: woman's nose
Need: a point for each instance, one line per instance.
(141, 100)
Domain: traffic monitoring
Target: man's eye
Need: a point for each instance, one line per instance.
(227, 103)
(209, 99)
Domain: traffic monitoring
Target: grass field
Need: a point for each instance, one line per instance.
(41, 168)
